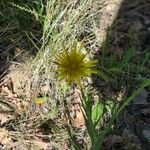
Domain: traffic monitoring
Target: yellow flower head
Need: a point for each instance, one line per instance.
(39, 101)
(73, 66)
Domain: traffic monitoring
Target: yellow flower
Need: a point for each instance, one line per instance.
(73, 66)
(39, 101)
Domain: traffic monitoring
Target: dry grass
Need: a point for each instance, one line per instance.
(61, 24)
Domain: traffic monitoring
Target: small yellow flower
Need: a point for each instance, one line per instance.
(39, 101)
(73, 65)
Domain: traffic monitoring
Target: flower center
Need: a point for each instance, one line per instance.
(73, 66)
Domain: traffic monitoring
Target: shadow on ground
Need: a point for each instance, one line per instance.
(123, 60)
(15, 45)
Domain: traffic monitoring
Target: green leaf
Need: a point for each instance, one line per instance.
(145, 83)
(116, 70)
(97, 112)
(126, 58)
(103, 76)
